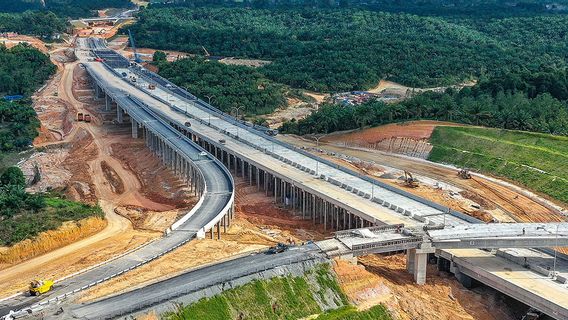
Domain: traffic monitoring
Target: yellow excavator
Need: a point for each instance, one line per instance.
(38, 287)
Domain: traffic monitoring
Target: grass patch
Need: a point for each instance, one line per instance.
(17, 224)
(277, 298)
(378, 312)
(536, 161)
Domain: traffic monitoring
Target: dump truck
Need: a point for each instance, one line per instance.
(87, 118)
(38, 287)
(80, 116)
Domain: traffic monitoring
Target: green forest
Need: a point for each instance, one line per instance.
(228, 86)
(530, 102)
(63, 8)
(329, 50)
(23, 69)
(38, 23)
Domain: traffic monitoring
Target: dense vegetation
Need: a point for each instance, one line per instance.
(345, 49)
(63, 8)
(22, 70)
(24, 215)
(525, 101)
(37, 23)
(279, 298)
(534, 160)
(228, 85)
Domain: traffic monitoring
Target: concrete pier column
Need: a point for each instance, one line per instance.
(325, 216)
(420, 267)
(134, 128)
(219, 230)
(410, 255)
(250, 174)
(118, 114)
(97, 91)
(107, 102)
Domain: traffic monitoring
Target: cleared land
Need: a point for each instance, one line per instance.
(537, 161)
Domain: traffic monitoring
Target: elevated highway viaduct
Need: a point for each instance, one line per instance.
(309, 186)
(325, 192)
(207, 178)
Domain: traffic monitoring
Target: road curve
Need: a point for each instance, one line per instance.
(218, 196)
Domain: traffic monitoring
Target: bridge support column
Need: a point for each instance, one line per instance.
(118, 114)
(410, 255)
(134, 128)
(108, 102)
(97, 91)
(420, 267)
(416, 262)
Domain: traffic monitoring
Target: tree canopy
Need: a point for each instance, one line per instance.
(228, 86)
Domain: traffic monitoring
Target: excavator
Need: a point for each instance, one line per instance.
(38, 287)
(409, 181)
(464, 174)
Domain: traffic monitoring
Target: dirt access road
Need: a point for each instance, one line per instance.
(519, 207)
(89, 162)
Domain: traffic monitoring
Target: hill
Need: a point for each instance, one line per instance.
(537, 161)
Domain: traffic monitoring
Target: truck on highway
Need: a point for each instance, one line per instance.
(87, 118)
(80, 116)
(38, 287)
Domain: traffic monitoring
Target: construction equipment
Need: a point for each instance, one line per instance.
(80, 116)
(409, 180)
(133, 45)
(279, 248)
(87, 118)
(38, 287)
(464, 174)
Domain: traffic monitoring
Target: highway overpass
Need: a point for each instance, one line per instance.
(309, 186)
(326, 192)
(206, 176)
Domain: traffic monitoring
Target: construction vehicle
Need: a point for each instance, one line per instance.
(38, 287)
(87, 118)
(279, 248)
(464, 174)
(80, 116)
(409, 180)
(151, 86)
(271, 132)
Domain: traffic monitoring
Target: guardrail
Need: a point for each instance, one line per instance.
(173, 295)
(208, 108)
(166, 251)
